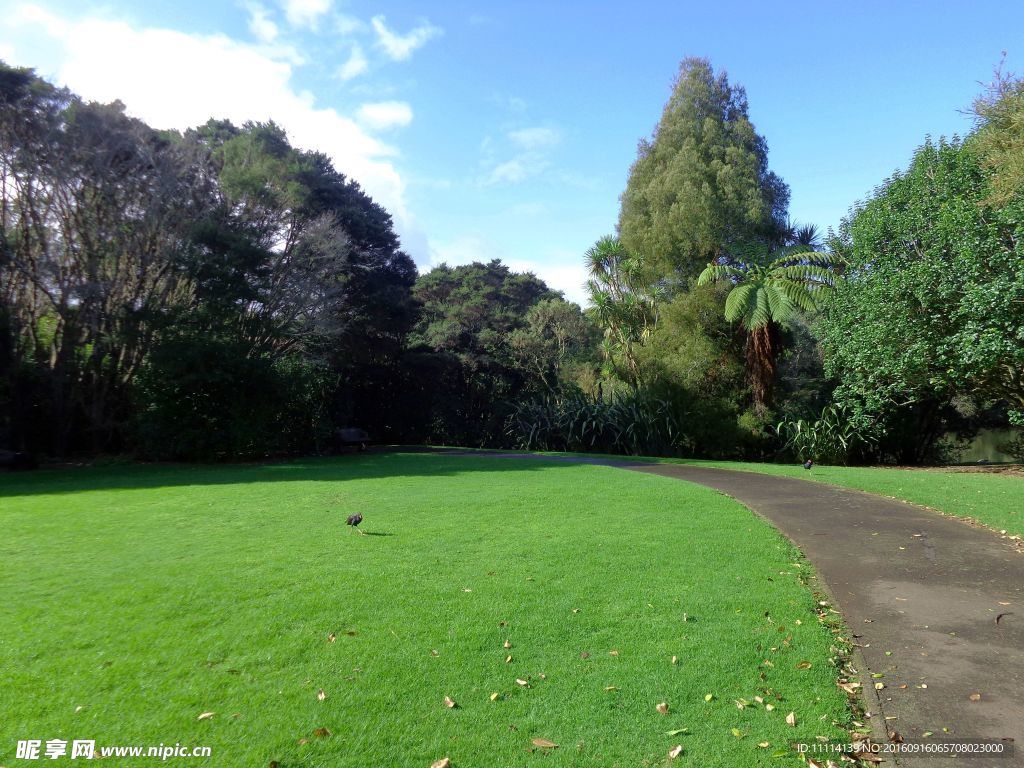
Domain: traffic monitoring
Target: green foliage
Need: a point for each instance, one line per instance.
(633, 423)
(766, 291)
(933, 304)
(485, 336)
(833, 438)
(624, 303)
(702, 181)
(999, 139)
(201, 398)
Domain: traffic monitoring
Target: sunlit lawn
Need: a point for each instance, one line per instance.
(995, 499)
(136, 599)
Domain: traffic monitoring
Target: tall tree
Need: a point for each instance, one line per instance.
(701, 182)
(766, 291)
(625, 303)
(933, 304)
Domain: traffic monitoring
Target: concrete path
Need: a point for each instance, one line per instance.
(925, 589)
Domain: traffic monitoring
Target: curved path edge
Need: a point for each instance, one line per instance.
(920, 592)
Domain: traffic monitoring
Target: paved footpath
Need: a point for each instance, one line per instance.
(925, 588)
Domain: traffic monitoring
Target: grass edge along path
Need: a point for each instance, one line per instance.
(144, 597)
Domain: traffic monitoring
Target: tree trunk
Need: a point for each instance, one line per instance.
(762, 349)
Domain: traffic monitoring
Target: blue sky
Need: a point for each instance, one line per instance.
(506, 130)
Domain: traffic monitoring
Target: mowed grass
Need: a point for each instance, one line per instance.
(137, 598)
(993, 499)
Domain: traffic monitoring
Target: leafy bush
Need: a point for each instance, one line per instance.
(208, 400)
(632, 423)
(832, 438)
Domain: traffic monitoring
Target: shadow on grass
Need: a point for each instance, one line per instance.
(377, 464)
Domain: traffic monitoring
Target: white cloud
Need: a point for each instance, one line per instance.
(509, 172)
(212, 76)
(260, 24)
(400, 47)
(534, 139)
(305, 13)
(355, 65)
(385, 114)
(346, 25)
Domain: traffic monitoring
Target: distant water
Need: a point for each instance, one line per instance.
(985, 447)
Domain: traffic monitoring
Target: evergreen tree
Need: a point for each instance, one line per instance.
(701, 183)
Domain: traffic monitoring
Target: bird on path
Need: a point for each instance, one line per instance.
(354, 521)
(808, 464)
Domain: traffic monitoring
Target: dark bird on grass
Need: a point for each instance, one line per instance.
(808, 464)
(354, 521)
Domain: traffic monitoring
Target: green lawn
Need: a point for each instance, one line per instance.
(994, 499)
(137, 598)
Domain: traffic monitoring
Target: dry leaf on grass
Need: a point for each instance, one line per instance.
(507, 644)
(206, 715)
(450, 702)
(444, 762)
(321, 733)
(676, 751)
(331, 637)
(674, 660)
(975, 697)
(524, 683)
(791, 719)
(544, 744)
(321, 695)
(662, 708)
(611, 688)
(495, 696)
(613, 652)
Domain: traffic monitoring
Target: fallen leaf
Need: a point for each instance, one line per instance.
(524, 683)
(544, 744)
(206, 715)
(331, 637)
(495, 696)
(321, 733)
(879, 686)
(444, 762)
(676, 751)
(507, 644)
(236, 715)
(611, 688)
(321, 695)
(764, 744)
(662, 708)
(274, 764)
(791, 719)
(737, 733)
(769, 707)
(508, 659)
(903, 686)
(741, 703)
(542, 676)
(674, 660)
(303, 741)
(804, 665)
(434, 653)
(450, 702)
(575, 610)
(466, 589)
(677, 731)
(926, 734)
(708, 696)
(975, 697)
(613, 652)
(584, 655)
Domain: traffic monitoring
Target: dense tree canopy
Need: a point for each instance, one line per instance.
(701, 182)
(933, 304)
